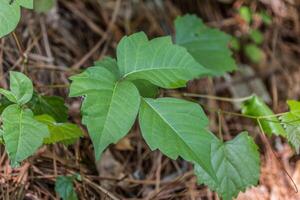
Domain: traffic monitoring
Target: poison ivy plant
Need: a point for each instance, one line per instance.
(291, 123)
(257, 108)
(157, 61)
(235, 164)
(64, 187)
(208, 46)
(22, 133)
(115, 91)
(11, 13)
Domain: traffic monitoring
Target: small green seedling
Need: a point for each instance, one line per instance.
(27, 123)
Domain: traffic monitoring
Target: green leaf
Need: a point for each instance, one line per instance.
(208, 46)
(8, 95)
(93, 80)
(266, 18)
(64, 187)
(256, 36)
(254, 53)
(109, 108)
(110, 64)
(59, 132)
(146, 89)
(4, 102)
(291, 123)
(50, 105)
(158, 61)
(235, 44)
(23, 135)
(236, 165)
(257, 108)
(110, 119)
(43, 5)
(10, 14)
(21, 88)
(245, 14)
(1, 136)
(26, 3)
(177, 128)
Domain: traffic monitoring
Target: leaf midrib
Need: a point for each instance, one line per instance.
(160, 68)
(109, 109)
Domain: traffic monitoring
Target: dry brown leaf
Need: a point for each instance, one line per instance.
(124, 145)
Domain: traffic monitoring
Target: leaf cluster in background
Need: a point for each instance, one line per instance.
(157, 61)
(208, 46)
(251, 40)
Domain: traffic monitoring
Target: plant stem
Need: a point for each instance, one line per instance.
(54, 86)
(218, 98)
(275, 156)
(275, 115)
(22, 53)
(19, 46)
(231, 100)
(220, 124)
